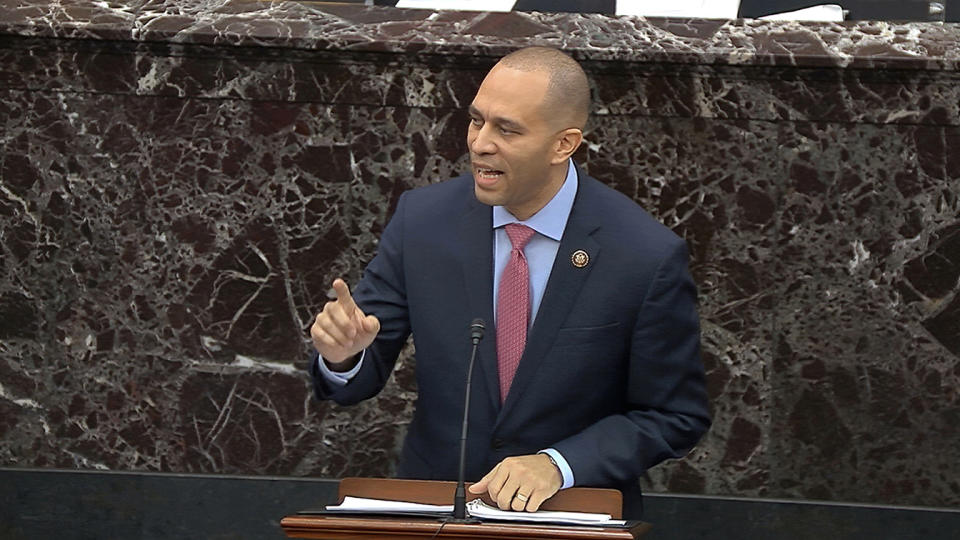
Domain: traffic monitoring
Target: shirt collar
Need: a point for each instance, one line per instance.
(551, 220)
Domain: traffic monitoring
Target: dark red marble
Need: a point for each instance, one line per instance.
(180, 181)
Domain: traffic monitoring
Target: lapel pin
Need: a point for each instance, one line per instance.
(579, 258)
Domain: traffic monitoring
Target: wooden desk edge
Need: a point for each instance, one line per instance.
(298, 526)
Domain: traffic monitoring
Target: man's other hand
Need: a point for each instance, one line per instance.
(521, 482)
(342, 330)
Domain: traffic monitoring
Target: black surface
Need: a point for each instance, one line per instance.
(568, 6)
(79, 505)
(75, 505)
(721, 518)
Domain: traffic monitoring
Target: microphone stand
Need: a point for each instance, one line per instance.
(460, 497)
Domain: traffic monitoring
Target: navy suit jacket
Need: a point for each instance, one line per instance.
(611, 376)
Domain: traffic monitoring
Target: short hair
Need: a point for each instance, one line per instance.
(568, 89)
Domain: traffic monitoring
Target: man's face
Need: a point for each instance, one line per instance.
(512, 144)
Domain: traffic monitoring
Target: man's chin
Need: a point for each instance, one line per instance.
(485, 196)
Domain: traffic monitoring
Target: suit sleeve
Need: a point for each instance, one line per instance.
(666, 406)
(381, 292)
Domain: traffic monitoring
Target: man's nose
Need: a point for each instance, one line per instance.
(482, 143)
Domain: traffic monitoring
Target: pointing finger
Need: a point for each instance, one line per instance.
(481, 485)
(343, 295)
(345, 321)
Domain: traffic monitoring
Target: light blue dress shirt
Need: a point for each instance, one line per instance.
(540, 252)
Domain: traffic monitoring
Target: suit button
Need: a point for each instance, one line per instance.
(497, 444)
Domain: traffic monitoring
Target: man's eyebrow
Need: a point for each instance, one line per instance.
(497, 120)
(507, 123)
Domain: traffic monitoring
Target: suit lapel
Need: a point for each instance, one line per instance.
(560, 294)
(476, 235)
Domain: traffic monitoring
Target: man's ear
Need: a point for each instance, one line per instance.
(568, 141)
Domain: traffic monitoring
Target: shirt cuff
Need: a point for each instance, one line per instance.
(335, 377)
(562, 464)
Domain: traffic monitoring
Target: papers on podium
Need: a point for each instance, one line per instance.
(360, 504)
(476, 508)
(482, 510)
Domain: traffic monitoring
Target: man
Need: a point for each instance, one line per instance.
(593, 372)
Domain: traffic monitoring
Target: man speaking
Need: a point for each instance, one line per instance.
(591, 370)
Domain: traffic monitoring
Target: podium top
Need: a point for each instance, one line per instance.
(330, 527)
(594, 500)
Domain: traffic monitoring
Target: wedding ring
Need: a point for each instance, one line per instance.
(521, 497)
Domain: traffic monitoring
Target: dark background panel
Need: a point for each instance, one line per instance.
(73, 505)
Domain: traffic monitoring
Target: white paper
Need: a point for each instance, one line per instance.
(475, 5)
(361, 504)
(704, 9)
(477, 508)
(825, 12)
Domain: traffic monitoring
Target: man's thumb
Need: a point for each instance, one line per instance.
(371, 324)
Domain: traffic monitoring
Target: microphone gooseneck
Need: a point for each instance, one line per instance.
(460, 497)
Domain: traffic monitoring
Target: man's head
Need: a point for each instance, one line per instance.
(526, 121)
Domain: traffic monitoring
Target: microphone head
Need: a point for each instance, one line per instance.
(476, 330)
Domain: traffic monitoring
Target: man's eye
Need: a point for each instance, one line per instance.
(476, 121)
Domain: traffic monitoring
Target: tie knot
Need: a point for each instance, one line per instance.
(519, 235)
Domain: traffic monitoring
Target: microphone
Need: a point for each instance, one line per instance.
(476, 331)
(460, 497)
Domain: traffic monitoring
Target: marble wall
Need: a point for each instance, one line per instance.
(180, 181)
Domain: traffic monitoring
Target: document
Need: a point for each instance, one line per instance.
(360, 504)
(479, 509)
(476, 508)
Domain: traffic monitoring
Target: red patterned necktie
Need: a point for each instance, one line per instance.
(513, 307)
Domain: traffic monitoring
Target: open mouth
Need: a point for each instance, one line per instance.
(488, 174)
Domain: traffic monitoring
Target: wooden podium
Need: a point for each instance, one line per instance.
(352, 527)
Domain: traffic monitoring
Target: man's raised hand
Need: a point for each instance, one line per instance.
(342, 330)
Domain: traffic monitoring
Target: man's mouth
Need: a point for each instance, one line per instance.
(487, 173)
